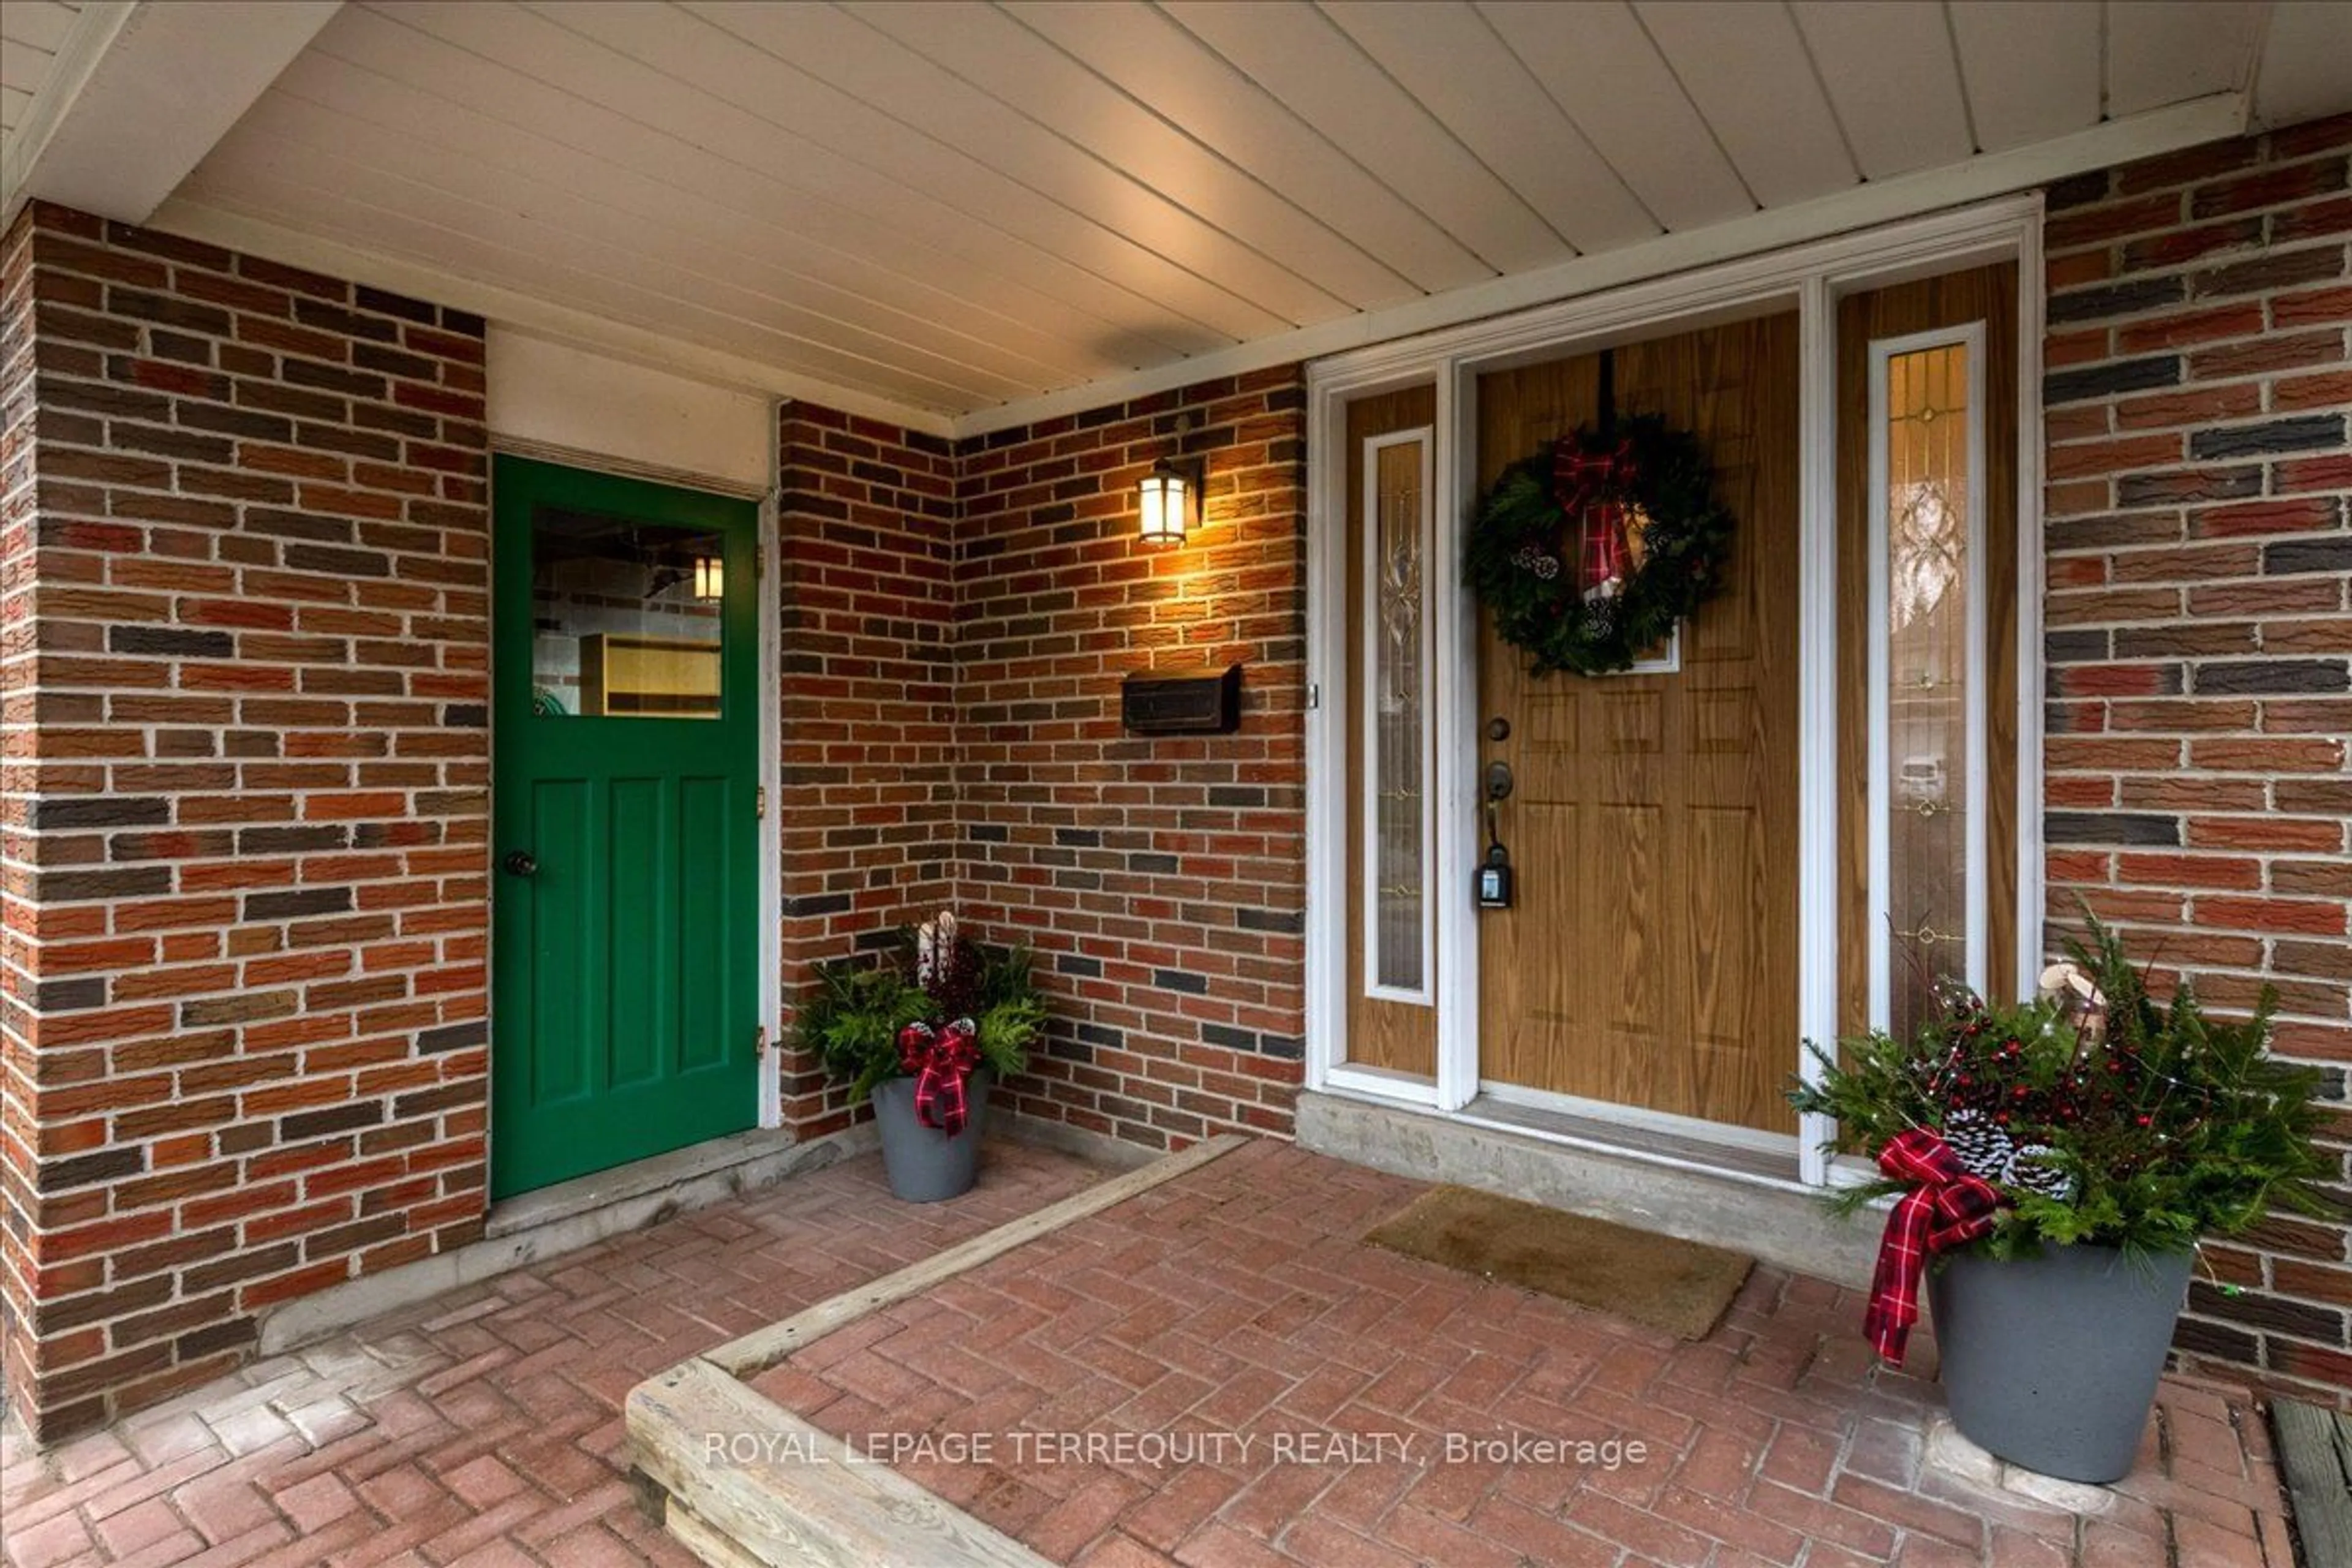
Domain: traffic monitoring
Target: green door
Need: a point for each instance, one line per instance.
(625, 732)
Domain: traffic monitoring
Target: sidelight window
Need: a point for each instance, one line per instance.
(1928, 677)
(1399, 659)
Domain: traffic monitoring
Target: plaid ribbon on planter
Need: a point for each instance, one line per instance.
(943, 1061)
(1947, 1208)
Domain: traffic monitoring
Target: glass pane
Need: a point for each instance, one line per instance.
(1927, 697)
(625, 617)
(1399, 757)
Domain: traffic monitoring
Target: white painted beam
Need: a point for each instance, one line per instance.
(141, 92)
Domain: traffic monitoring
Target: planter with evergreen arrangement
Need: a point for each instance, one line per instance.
(924, 1031)
(2057, 1162)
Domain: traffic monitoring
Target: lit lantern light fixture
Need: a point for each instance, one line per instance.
(709, 578)
(1167, 494)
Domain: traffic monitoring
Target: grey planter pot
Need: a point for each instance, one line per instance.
(924, 1165)
(2051, 1361)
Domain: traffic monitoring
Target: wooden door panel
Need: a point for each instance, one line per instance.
(1652, 959)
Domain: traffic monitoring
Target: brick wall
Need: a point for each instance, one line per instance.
(244, 813)
(2199, 555)
(866, 524)
(1160, 881)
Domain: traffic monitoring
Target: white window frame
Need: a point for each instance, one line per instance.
(1368, 801)
(1978, 930)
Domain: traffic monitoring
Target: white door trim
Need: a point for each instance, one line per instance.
(1810, 278)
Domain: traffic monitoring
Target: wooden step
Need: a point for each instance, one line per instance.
(2315, 1451)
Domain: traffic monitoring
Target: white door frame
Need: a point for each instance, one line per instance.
(1811, 278)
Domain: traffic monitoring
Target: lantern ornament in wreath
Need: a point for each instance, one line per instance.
(1590, 552)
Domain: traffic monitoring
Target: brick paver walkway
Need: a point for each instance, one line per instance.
(1238, 1299)
(484, 1428)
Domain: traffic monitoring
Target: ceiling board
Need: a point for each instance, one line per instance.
(2033, 71)
(956, 205)
(995, 52)
(1745, 67)
(41, 24)
(731, 160)
(24, 67)
(284, 127)
(871, 66)
(697, 58)
(1294, 52)
(2301, 75)
(1444, 54)
(716, 125)
(1893, 78)
(436, 138)
(2161, 51)
(508, 249)
(1598, 64)
(1138, 49)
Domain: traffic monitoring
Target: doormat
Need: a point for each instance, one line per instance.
(1681, 1287)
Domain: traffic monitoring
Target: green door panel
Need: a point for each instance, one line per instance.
(626, 725)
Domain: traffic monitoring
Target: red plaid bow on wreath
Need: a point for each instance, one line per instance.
(943, 1061)
(1588, 487)
(1948, 1208)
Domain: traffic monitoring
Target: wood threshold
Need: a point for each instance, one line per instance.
(2315, 1448)
(806, 1497)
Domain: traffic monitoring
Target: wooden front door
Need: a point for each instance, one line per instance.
(625, 748)
(1651, 959)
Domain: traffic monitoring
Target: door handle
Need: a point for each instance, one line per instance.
(520, 863)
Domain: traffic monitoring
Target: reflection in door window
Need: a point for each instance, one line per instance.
(1927, 677)
(624, 618)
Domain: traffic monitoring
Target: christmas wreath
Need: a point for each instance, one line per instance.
(1590, 552)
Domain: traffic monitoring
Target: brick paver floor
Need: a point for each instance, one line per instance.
(484, 1427)
(1239, 1300)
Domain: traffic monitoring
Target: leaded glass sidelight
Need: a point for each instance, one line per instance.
(1927, 677)
(1397, 660)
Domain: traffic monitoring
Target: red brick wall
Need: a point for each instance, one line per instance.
(2199, 627)
(245, 805)
(865, 522)
(1160, 881)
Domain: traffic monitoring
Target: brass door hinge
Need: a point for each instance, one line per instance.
(760, 1041)
(760, 803)
(759, 561)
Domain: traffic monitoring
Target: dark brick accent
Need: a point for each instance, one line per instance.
(2109, 827)
(2106, 380)
(2255, 677)
(2299, 435)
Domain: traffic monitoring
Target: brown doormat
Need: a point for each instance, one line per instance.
(1681, 1287)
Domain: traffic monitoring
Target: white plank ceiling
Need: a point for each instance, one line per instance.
(949, 205)
(31, 34)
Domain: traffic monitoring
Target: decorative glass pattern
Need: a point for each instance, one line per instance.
(1931, 752)
(1397, 673)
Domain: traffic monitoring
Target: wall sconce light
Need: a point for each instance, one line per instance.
(1168, 498)
(709, 578)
